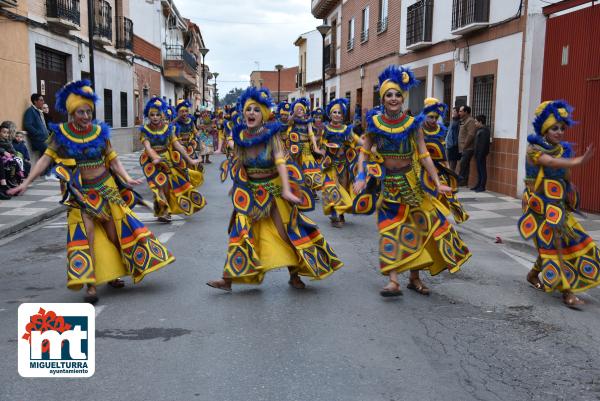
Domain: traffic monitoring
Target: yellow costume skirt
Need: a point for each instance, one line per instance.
(173, 184)
(337, 198)
(257, 246)
(414, 233)
(139, 253)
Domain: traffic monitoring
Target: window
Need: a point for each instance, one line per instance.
(383, 16)
(108, 104)
(419, 20)
(483, 98)
(467, 12)
(416, 97)
(376, 98)
(364, 35)
(331, 96)
(350, 44)
(348, 96)
(123, 109)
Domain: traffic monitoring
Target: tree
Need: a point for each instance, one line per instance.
(232, 96)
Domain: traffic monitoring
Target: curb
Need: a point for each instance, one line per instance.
(31, 220)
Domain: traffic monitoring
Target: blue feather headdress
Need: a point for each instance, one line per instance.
(260, 95)
(283, 107)
(343, 102)
(401, 76)
(558, 110)
(317, 112)
(81, 88)
(303, 101)
(155, 103)
(437, 107)
(183, 103)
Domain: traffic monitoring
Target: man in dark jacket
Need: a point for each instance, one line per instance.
(466, 143)
(35, 125)
(482, 149)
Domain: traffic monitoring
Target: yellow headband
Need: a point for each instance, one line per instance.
(551, 120)
(266, 113)
(387, 85)
(335, 107)
(75, 101)
(301, 105)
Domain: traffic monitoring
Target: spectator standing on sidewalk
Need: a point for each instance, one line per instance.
(35, 125)
(466, 143)
(47, 118)
(482, 149)
(452, 152)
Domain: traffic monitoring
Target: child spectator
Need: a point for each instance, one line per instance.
(22, 152)
(12, 165)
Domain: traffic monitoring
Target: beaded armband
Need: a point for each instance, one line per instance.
(424, 155)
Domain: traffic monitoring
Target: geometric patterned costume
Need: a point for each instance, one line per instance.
(414, 232)
(255, 243)
(300, 150)
(172, 183)
(103, 198)
(568, 258)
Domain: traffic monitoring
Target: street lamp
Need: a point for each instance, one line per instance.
(323, 30)
(278, 67)
(216, 74)
(203, 51)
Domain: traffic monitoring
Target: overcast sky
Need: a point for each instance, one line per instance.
(240, 33)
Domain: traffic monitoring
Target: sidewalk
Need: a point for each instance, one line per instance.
(41, 201)
(495, 216)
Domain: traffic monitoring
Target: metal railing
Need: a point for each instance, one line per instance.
(419, 20)
(350, 44)
(103, 19)
(178, 52)
(364, 36)
(483, 98)
(382, 25)
(466, 12)
(124, 33)
(64, 9)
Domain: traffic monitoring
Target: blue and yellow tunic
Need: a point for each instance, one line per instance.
(300, 151)
(103, 198)
(257, 243)
(171, 182)
(568, 258)
(186, 132)
(414, 232)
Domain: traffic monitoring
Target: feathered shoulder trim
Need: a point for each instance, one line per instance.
(438, 134)
(396, 130)
(161, 134)
(76, 144)
(539, 142)
(343, 132)
(241, 137)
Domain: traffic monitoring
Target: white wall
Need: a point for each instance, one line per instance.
(314, 55)
(116, 75)
(147, 20)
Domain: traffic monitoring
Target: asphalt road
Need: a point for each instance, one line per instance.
(483, 334)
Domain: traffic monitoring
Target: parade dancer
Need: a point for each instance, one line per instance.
(204, 136)
(268, 229)
(105, 239)
(186, 128)
(414, 232)
(434, 133)
(339, 162)
(282, 114)
(301, 137)
(164, 165)
(568, 259)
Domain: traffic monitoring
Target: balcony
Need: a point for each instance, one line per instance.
(329, 60)
(469, 15)
(180, 66)
(321, 8)
(419, 21)
(103, 23)
(382, 25)
(350, 44)
(364, 36)
(124, 36)
(63, 14)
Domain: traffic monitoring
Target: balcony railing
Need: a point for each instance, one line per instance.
(382, 25)
(103, 20)
(419, 20)
(350, 44)
(467, 13)
(124, 33)
(8, 3)
(63, 10)
(178, 52)
(364, 36)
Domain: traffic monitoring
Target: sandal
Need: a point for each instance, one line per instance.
(91, 296)
(387, 292)
(116, 283)
(420, 288)
(533, 279)
(164, 219)
(220, 285)
(572, 301)
(296, 282)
